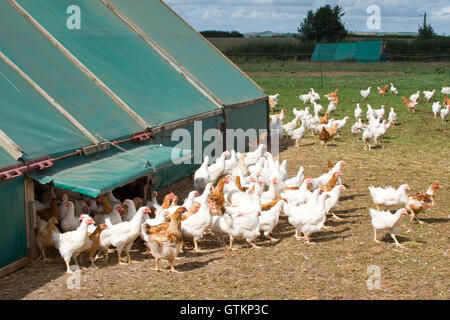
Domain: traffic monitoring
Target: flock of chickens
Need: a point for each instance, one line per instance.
(236, 196)
(239, 195)
(326, 128)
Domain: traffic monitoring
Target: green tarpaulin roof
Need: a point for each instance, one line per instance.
(31, 121)
(5, 159)
(190, 50)
(62, 89)
(122, 60)
(62, 80)
(97, 174)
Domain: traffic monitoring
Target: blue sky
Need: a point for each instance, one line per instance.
(285, 15)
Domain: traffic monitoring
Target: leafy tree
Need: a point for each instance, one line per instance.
(324, 25)
(426, 31)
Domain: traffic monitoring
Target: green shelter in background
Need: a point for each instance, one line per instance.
(361, 51)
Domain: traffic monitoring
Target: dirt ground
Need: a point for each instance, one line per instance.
(334, 267)
(317, 74)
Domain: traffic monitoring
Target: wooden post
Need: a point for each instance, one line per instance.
(31, 219)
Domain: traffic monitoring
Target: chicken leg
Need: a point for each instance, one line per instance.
(119, 259)
(397, 244)
(308, 240)
(172, 268)
(157, 265)
(67, 261)
(196, 249)
(231, 244)
(254, 246)
(375, 236)
(268, 236)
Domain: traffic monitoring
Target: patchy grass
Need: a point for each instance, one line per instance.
(416, 151)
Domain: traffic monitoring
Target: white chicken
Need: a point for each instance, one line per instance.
(68, 222)
(297, 134)
(314, 96)
(114, 217)
(415, 96)
(305, 97)
(73, 242)
(333, 199)
(358, 128)
(301, 195)
(310, 217)
(252, 157)
(365, 93)
(324, 178)
(428, 94)
(358, 112)
(291, 125)
(386, 221)
(393, 89)
(392, 116)
(445, 90)
(122, 235)
(379, 112)
(445, 112)
(194, 226)
(218, 168)
(297, 180)
(389, 196)
(368, 138)
(436, 108)
(231, 163)
(317, 107)
(202, 176)
(269, 219)
(331, 107)
(242, 221)
(131, 210)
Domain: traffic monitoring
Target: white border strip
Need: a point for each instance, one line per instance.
(80, 65)
(48, 98)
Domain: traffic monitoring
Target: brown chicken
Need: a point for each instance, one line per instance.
(192, 210)
(165, 239)
(217, 199)
(333, 129)
(52, 212)
(332, 182)
(271, 204)
(422, 201)
(272, 104)
(410, 104)
(168, 200)
(333, 95)
(324, 119)
(446, 101)
(330, 165)
(44, 237)
(383, 90)
(107, 206)
(94, 237)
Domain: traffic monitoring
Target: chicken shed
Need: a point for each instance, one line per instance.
(361, 51)
(90, 107)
